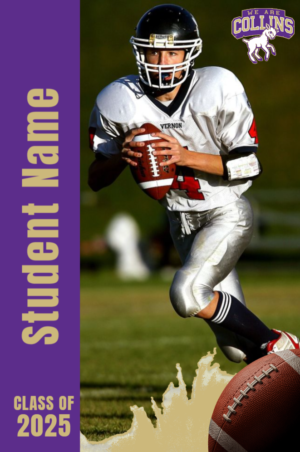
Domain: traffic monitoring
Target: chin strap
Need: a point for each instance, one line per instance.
(176, 80)
(155, 92)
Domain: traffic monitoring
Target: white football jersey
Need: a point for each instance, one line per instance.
(210, 114)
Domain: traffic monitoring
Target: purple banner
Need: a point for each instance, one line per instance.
(40, 227)
(254, 21)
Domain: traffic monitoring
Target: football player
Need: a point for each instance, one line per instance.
(208, 130)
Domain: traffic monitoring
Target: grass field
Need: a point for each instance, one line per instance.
(131, 340)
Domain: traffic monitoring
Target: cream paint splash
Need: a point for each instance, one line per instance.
(182, 423)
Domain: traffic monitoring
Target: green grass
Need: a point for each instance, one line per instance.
(131, 340)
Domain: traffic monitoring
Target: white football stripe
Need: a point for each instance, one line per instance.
(222, 438)
(145, 137)
(291, 359)
(155, 183)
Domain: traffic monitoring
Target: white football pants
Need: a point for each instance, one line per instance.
(209, 244)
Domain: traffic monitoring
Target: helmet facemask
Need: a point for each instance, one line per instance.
(192, 49)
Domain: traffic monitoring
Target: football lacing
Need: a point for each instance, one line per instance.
(153, 161)
(266, 374)
(251, 386)
(237, 401)
(244, 393)
(258, 380)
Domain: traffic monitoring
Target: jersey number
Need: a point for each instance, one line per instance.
(253, 132)
(92, 131)
(186, 181)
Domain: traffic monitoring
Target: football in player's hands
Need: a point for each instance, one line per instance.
(259, 408)
(153, 179)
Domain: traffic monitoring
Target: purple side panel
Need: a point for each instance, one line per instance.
(40, 50)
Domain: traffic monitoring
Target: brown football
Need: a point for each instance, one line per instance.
(259, 408)
(153, 179)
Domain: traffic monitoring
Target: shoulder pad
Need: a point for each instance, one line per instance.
(212, 86)
(117, 102)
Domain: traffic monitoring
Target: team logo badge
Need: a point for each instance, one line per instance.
(265, 24)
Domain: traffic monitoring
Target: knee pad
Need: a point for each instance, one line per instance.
(187, 298)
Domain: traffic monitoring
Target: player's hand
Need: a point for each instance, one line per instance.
(128, 146)
(172, 148)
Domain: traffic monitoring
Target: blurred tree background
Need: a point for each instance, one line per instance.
(272, 88)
